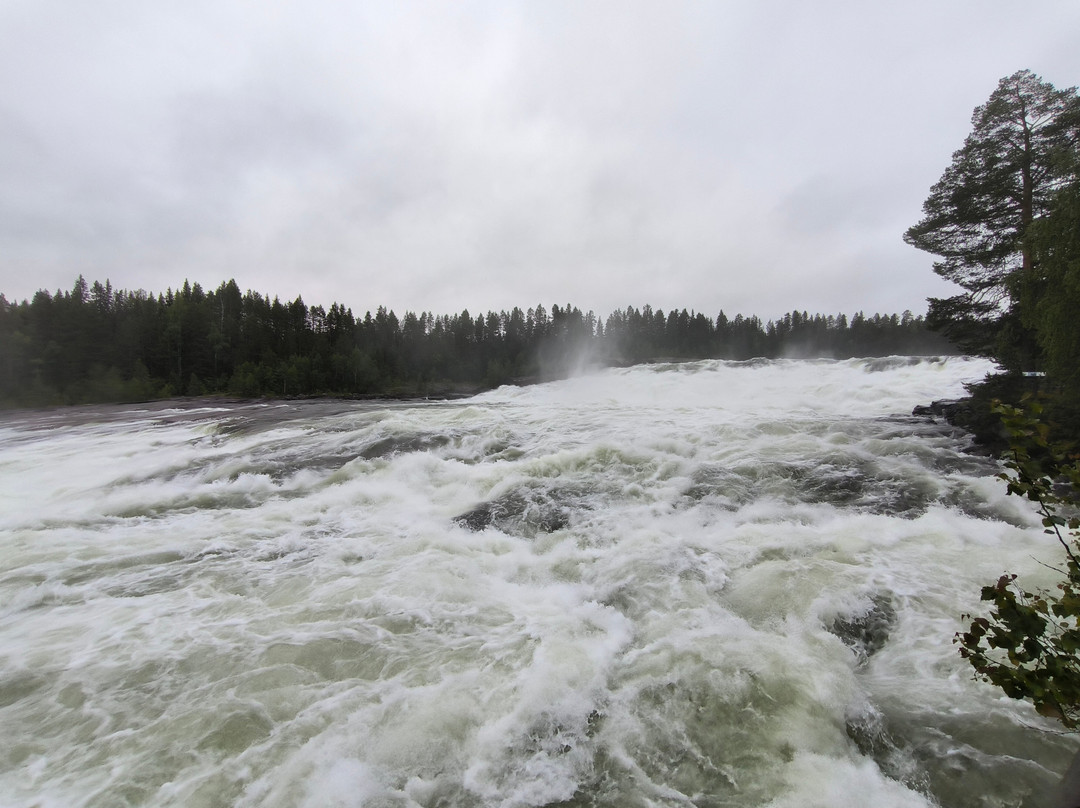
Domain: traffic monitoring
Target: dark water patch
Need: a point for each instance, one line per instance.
(295, 555)
(865, 631)
(45, 596)
(152, 586)
(288, 466)
(896, 496)
(252, 492)
(841, 486)
(212, 554)
(962, 462)
(237, 731)
(404, 444)
(527, 511)
(501, 449)
(511, 514)
(870, 733)
(96, 570)
(140, 784)
(270, 461)
(612, 781)
(856, 484)
(71, 696)
(732, 488)
(171, 571)
(563, 742)
(18, 687)
(147, 679)
(970, 503)
(333, 659)
(23, 579)
(955, 763)
(884, 363)
(191, 503)
(939, 446)
(165, 410)
(756, 362)
(625, 599)
(549, 735)
(884, 487)
(698, 741)
(247, 417)
(720, 485)
(912, 434)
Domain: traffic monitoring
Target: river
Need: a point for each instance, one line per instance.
(699, 584)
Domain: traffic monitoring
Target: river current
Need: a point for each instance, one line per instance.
(700, 584)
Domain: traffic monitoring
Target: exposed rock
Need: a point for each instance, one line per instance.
(946, 408)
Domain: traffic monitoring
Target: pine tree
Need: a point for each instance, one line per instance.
(1022, 149)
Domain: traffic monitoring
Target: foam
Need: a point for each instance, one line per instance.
(278, 604)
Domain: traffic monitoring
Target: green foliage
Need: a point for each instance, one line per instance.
(1029, 646)
(1020, 152)
(1051, 300)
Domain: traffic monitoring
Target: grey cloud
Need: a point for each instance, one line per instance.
(747, 156)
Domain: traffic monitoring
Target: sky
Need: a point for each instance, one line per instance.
(751, 157)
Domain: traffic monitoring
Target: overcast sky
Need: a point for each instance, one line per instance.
(754, 157)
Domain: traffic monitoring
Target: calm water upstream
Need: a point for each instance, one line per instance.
(703, 584)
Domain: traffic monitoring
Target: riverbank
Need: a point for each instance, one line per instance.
(973, 412)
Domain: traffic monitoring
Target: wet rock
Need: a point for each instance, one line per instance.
(943, 408)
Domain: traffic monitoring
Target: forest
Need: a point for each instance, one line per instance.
(94, 343)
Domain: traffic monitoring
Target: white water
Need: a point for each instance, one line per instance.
(710, 584)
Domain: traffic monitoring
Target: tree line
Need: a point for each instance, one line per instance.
(94, 343)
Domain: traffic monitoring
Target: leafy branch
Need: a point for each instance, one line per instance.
(1029, 646)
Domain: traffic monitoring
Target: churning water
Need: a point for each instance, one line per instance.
(707, 584)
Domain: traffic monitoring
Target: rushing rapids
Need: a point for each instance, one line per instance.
(707, 584)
